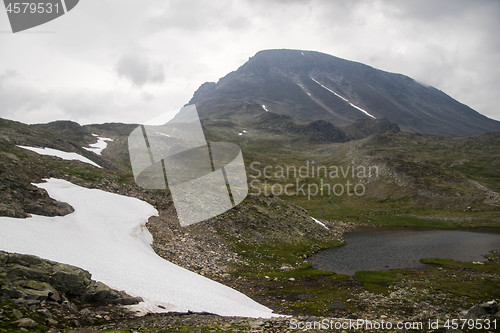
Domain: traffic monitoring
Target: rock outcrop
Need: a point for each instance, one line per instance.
(37, 280)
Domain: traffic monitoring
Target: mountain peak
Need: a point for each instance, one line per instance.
(309, 86)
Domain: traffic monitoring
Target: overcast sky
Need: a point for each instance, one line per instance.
(131, 60)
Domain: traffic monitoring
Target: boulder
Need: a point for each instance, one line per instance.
(100, 293)
(483, 309)
(17, 271)
(26, 322)
(41, 291)
(70, 280)
(31, 279)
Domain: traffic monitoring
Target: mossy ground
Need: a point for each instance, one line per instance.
(302, 290)
(8, 324)
(379, 281)
(194, 328)
(474, 281)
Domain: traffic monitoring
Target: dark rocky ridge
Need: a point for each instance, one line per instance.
(41, 295)
(38, 280)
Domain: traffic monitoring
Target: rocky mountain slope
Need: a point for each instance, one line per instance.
(310, 86)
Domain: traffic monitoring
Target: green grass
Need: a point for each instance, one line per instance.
(87, 175)
(305, 290)
(396, 213)
(272, 255)
(215, 328)
(485, 267)
(476, 290)
(8, 323)
(305, 271)
(439, 166)
(413, 222)
(483, 170)
(461, 280)
(379, 281)
(317, 298)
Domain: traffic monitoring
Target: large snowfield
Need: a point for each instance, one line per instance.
(106, 235)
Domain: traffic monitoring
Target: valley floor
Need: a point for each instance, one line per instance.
(260, 248)
(447, 290)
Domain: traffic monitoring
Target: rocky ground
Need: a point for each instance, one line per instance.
(40, 294)
(260, 247)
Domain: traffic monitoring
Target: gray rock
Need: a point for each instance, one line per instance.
(52, 322)
(70, 280)
(18, 272)
(100, 293)
(26, 322)
(45, 312)
(480, 310)
(10, 291)
(69, 306)
(85, 312)
(18, 314)
(25, 260)
(475, 312)
(490, 307)
(41, 291)
(337, 304)
(31, 280)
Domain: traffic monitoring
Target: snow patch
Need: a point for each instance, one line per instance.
(360, 109)
(330, 90)
(106, 235)
(61, 154)
(304, 89)
(320, 223)
(264, 107)
(345, 99)
(99, 146)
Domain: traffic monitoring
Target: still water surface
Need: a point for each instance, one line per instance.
(399, 249)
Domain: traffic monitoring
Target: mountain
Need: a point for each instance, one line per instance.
(310, 86)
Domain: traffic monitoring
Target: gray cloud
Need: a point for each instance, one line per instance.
(19, 96)
(22, 100)
(140, 70)
(199, 15)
